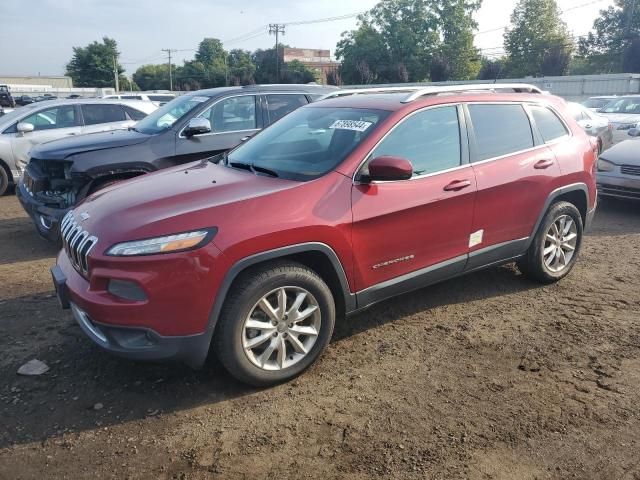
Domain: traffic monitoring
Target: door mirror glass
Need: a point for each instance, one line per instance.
(389, 168)
(634, 132)
(25, 127)
(197, 126)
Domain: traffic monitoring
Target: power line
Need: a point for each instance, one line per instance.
(324, 20)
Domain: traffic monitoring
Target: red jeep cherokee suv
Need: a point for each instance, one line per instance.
(341, 204)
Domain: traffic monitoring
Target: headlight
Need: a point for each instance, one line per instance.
(178, 242)
(605, 166)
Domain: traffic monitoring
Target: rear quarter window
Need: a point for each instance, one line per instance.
(500, 129)
(548, 124)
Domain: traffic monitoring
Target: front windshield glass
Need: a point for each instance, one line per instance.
(3, 89)
(164, 118)
(629, 105)
(307, 143)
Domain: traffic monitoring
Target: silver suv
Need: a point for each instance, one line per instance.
(25, 127)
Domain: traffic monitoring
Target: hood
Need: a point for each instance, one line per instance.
(626, 152)
(621, 117)
(65, 147)
(180, 199)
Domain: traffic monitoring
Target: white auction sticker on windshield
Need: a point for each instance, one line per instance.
(356, 125)
(199, 99)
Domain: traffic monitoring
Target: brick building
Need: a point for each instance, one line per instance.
(318, 61)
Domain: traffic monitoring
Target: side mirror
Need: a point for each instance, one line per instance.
(389, 168)
(24, 127)
(634, 132)
(197, 126)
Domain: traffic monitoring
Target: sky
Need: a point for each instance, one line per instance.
(39, 39)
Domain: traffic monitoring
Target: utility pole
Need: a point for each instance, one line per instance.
(277, 28)
(169, 52)
(115, 74)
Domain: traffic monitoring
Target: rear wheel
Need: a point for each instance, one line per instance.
(554, 249)
(4, 180)
(276, 323)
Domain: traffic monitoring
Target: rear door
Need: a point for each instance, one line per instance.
(231, 119)
(404, 227)
(515, 172)
(104, 117)
(48, 124)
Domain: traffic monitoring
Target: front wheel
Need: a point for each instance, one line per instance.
(554, 249)
(277, 321)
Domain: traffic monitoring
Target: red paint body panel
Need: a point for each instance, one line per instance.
(415, 220)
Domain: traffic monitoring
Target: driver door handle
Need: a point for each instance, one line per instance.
(457, 185)
(542, 164)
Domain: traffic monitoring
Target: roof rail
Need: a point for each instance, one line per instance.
(472, 87)
(359, 91)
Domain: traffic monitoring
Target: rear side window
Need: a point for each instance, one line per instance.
(548, 123)
(134, 114)
(95, 114)
(279, 105)
(132, 97)
(500, 130)
(430, 140)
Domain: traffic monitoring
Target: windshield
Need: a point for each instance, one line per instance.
(164, 118)
(623, 105)
(308, 142)
(596, 102)
(4, 89)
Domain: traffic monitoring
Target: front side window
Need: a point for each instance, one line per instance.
(232, 114)
(280, 105)
(51, 118)
(307, 143)
(549, 125)
(166, 116)
(430, 140)
(500, 129)
(96, 114)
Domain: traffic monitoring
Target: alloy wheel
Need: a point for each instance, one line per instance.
(281, 328)
(560, 243)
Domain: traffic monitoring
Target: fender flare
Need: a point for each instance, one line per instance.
(574, 187)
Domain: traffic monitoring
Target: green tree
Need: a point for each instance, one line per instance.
(207, 70)
(241, 69)
(92, 66)
(614, 44)
(296, 72)
(537, 40)
(492, 69)
(152, 77)
(410, 41)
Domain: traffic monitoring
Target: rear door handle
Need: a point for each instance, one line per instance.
(457, 185)
(542, 164)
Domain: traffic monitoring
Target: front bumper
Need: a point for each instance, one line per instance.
(616, 184)
(46, 219)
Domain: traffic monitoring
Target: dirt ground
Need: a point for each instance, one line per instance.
(489, 376)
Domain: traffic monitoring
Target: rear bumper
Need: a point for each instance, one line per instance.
(46, 219)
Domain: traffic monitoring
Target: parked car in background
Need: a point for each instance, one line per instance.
(158, 99)
(624, 114)
(6, 100)
(619, 168)
(594, 124)
(191, 127)
(74, 95)
(24, 100)
(33, 124)
(596, 103)
(255, 254)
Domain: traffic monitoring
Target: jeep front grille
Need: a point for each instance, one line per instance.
(630, 170)
(77, 242)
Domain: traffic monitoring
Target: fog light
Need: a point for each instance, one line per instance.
(126, 289)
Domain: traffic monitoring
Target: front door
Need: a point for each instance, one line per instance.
(412, 232)
(231, 119)
(48, 124)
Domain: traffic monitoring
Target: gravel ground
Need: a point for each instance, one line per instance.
(489, 376)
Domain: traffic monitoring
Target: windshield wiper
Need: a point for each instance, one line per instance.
(253, 168)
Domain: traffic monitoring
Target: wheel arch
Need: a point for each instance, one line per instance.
(317, 256)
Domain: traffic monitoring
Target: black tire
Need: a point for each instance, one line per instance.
(532, 264)
(244, 294)
(4, 180)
